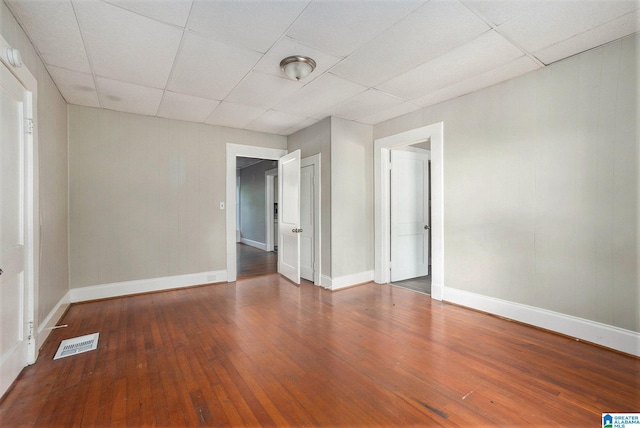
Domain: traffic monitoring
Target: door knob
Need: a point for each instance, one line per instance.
(1, 271)
(427, 227)
(296, 230)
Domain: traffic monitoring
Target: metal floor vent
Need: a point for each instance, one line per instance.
(77, 345)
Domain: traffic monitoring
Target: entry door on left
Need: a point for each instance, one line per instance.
(14, 326)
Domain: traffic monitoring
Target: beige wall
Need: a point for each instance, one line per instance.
(51, 131)
(541, 186)
(352, 198)
(347, 192)
(145, 194)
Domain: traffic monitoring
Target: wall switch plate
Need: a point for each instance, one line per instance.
(221, 205)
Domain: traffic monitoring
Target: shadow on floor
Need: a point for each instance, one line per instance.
(421, 284)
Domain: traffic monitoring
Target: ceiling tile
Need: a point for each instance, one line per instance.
(208, 68)
(173, 12)
(364, 104)
(77, 88)
(300, 125)
(341, 27)
(252, 25)
(552, 22)
(233, 115)
(390, 113)
(60, 44)
(425, 34)
(125, 46)
(508, 71)
(612, 30)
(501, 11)
(270, 62)
(185, 107)
(127, 97)
(320, 95)
(486, 52)
(263, 90)
(275, 122)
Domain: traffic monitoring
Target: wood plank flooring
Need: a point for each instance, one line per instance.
(264, 352)
(251, 261)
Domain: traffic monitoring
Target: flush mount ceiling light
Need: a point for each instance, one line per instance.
(297, 67)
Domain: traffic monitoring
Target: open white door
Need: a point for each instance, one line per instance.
(289, 216)
(14, 111)
(409, 214)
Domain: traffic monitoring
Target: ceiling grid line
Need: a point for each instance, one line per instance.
(496, 28)
(94, 75)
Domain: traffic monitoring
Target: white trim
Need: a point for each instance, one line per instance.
(54, 316)
(259, 245)
(591, 331)
(347, 280)
(117, 289)
(233, 151)
(435, 133)
(269, 200)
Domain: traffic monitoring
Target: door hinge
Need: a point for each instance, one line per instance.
(30, 336)
(28, 126)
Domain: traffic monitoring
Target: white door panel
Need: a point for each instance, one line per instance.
(409, 214)
(13, 323)
(289, 216)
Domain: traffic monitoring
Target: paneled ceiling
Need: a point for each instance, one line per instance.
(217, 62)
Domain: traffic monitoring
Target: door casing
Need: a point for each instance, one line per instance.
(234, 151)
(382, 184)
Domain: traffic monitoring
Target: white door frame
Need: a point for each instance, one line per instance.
(269, 200)
(315, 161)
(32, 214)
(382, 157)
(233, 151)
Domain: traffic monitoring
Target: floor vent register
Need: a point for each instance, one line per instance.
(77, 345)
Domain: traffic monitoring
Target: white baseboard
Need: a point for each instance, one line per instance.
(260, 245)
(591, 331)
(118, 289)
(437, 290)
(346, 281)
(45, 326)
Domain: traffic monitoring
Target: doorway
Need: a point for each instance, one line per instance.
(410, 200)
(382, 159)
(254, 257)
(235, 151)
(309, 216)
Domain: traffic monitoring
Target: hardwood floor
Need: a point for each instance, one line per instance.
(421, 284)
(264, 352)
(252, 261)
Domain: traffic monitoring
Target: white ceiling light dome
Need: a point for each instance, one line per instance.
(297, 66)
